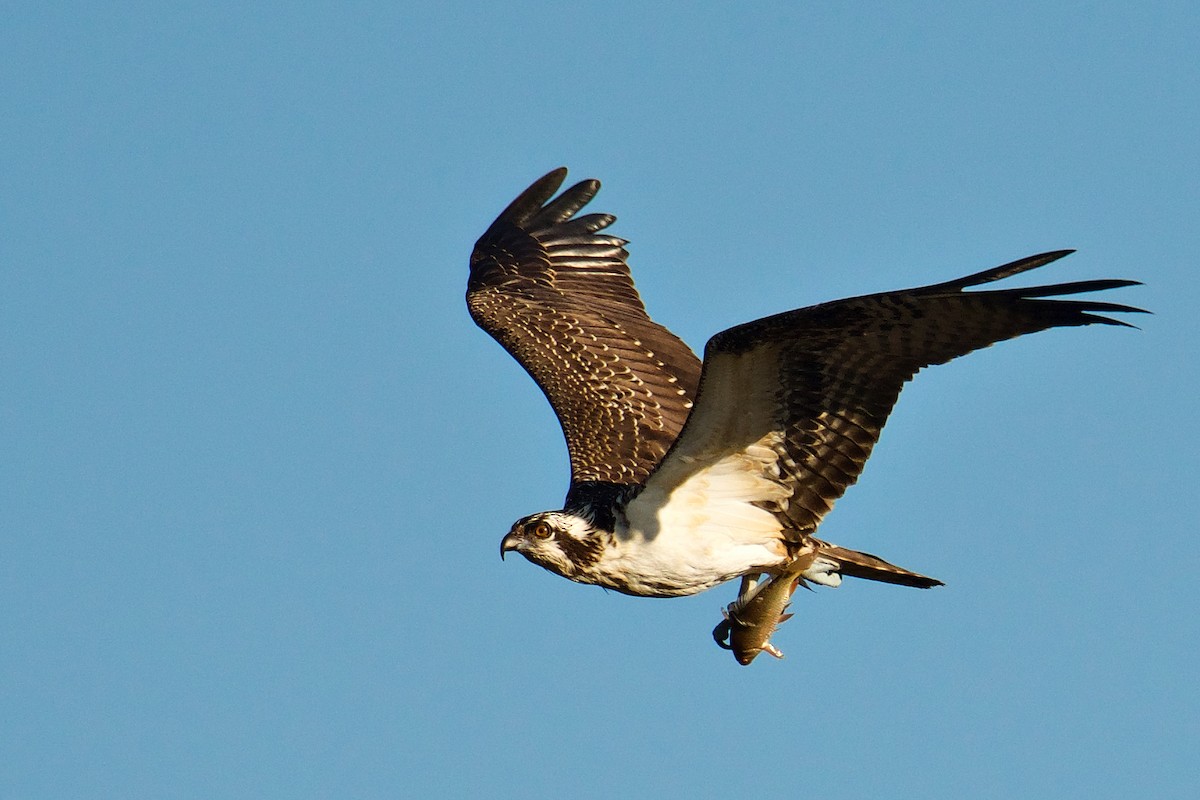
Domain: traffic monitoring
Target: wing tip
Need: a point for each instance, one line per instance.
(1001, 272)
(528, 203)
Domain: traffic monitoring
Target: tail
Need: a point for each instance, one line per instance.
(864, 565)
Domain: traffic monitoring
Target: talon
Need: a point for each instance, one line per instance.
(771, 649)
(731, 617)
(751, 588)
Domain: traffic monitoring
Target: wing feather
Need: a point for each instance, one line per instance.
(816, 385)
(557, 294)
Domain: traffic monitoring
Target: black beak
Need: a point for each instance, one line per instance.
(509, 542)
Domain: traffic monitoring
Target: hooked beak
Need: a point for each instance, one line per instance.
(509, 542)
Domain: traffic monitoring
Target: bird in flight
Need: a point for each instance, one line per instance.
(686, 474)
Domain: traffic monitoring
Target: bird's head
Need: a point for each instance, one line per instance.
(559, 541)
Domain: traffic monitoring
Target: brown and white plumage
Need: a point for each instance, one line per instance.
(667, 499)
(557, 294)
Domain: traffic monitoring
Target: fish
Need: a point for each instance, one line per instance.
(761, 607)
(751, 619)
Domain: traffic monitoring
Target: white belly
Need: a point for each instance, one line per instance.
(701, 535)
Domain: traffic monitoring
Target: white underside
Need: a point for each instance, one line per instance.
(686, 538)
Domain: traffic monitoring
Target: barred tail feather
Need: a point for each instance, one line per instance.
(855, 564)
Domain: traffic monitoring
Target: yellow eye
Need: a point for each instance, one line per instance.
(541, 530)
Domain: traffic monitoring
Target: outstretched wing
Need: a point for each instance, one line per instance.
(790, 406)
(556, 293)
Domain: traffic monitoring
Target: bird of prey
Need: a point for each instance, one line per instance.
(685, 474)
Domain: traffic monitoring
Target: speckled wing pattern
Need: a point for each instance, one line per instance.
(812, 388)
(556, 293)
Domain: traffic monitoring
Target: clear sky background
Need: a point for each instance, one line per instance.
(257, 460)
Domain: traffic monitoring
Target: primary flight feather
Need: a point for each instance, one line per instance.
(685, 475)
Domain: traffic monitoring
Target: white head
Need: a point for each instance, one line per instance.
(559, 541)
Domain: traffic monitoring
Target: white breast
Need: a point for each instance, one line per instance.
(684, 537)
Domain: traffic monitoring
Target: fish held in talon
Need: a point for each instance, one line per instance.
(751, 620)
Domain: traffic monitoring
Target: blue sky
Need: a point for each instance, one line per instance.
(258, 461)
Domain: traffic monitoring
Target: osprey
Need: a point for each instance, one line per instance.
(684, 474)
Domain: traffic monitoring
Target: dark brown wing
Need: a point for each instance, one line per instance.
(803, 396)
(557, 295)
